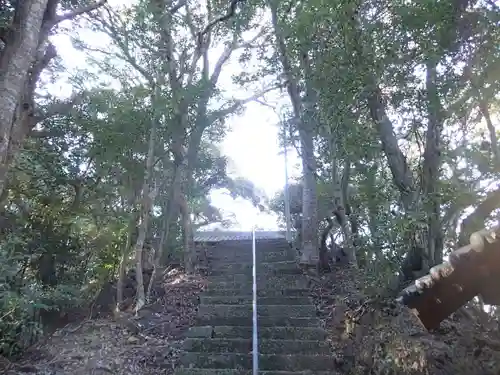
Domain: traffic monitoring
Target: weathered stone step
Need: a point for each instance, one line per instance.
(198, 371)
(243, 311)
(282, 268)
(209, 345)
(263, 288)
(246, 299)
(269, 333)
(261, 292)
(268, 271)
(286, 281)
(273, 256)
(266, 321)
(294, 362)
(262, 278)
(247, 249)
(226, 300)
(247, 252)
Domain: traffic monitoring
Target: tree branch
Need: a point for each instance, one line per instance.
(76, 12)
(60, 107)
(112, 32)
(222, 112)
(230, 13)
(475, 221)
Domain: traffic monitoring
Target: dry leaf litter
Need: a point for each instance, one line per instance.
(123, 344)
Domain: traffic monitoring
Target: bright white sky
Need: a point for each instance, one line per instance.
(252, 143)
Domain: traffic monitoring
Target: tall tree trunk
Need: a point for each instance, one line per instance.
(158, 252)
(22, 60)
(168, 215)
(189, 250)
(485, 111)
(307, 129)
(309, 254)
(349, 225)
(309, 250)
(19, 53)
(340, 201)
(430, 169)
(148, 195)
(123, 259)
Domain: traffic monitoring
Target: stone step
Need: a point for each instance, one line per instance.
(209, 345)
(247, 299)
(262, 278)
(263, 287)
(247, 249)
(265, 333)
(245, 311)
(273, 256)
(282, 268)
(261, 292)
(266, 321)
(273, 282)
(294, 362)
(198, 371)
(268, 271)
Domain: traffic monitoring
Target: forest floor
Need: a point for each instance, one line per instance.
(124, 344)
(371, 336)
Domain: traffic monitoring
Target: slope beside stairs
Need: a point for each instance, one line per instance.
(291, 341)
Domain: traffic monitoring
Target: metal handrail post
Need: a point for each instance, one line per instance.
(255, 342)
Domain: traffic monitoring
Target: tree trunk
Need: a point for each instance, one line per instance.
(309, 254)
(189, 258)
(341, 197)
(430, 170)
(123, 260)
(483, 107)
(148, 196)
(18, 55)
(165, 232)
(309, 251)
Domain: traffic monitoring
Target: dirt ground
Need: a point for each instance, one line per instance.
(377, 336)
(121, 344)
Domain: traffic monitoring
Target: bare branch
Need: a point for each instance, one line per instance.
(46, 134)
(112, 32)
(195, 56)
(188, 18)
(60, 107)
(76, 12)
(250, 43)
(223, 58)
(477, 218)
(230, 13)
(222, 112)
(261, 102)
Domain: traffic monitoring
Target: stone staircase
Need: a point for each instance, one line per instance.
(291, 341)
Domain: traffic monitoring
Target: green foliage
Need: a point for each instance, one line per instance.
(70, 209)
(349, 42)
